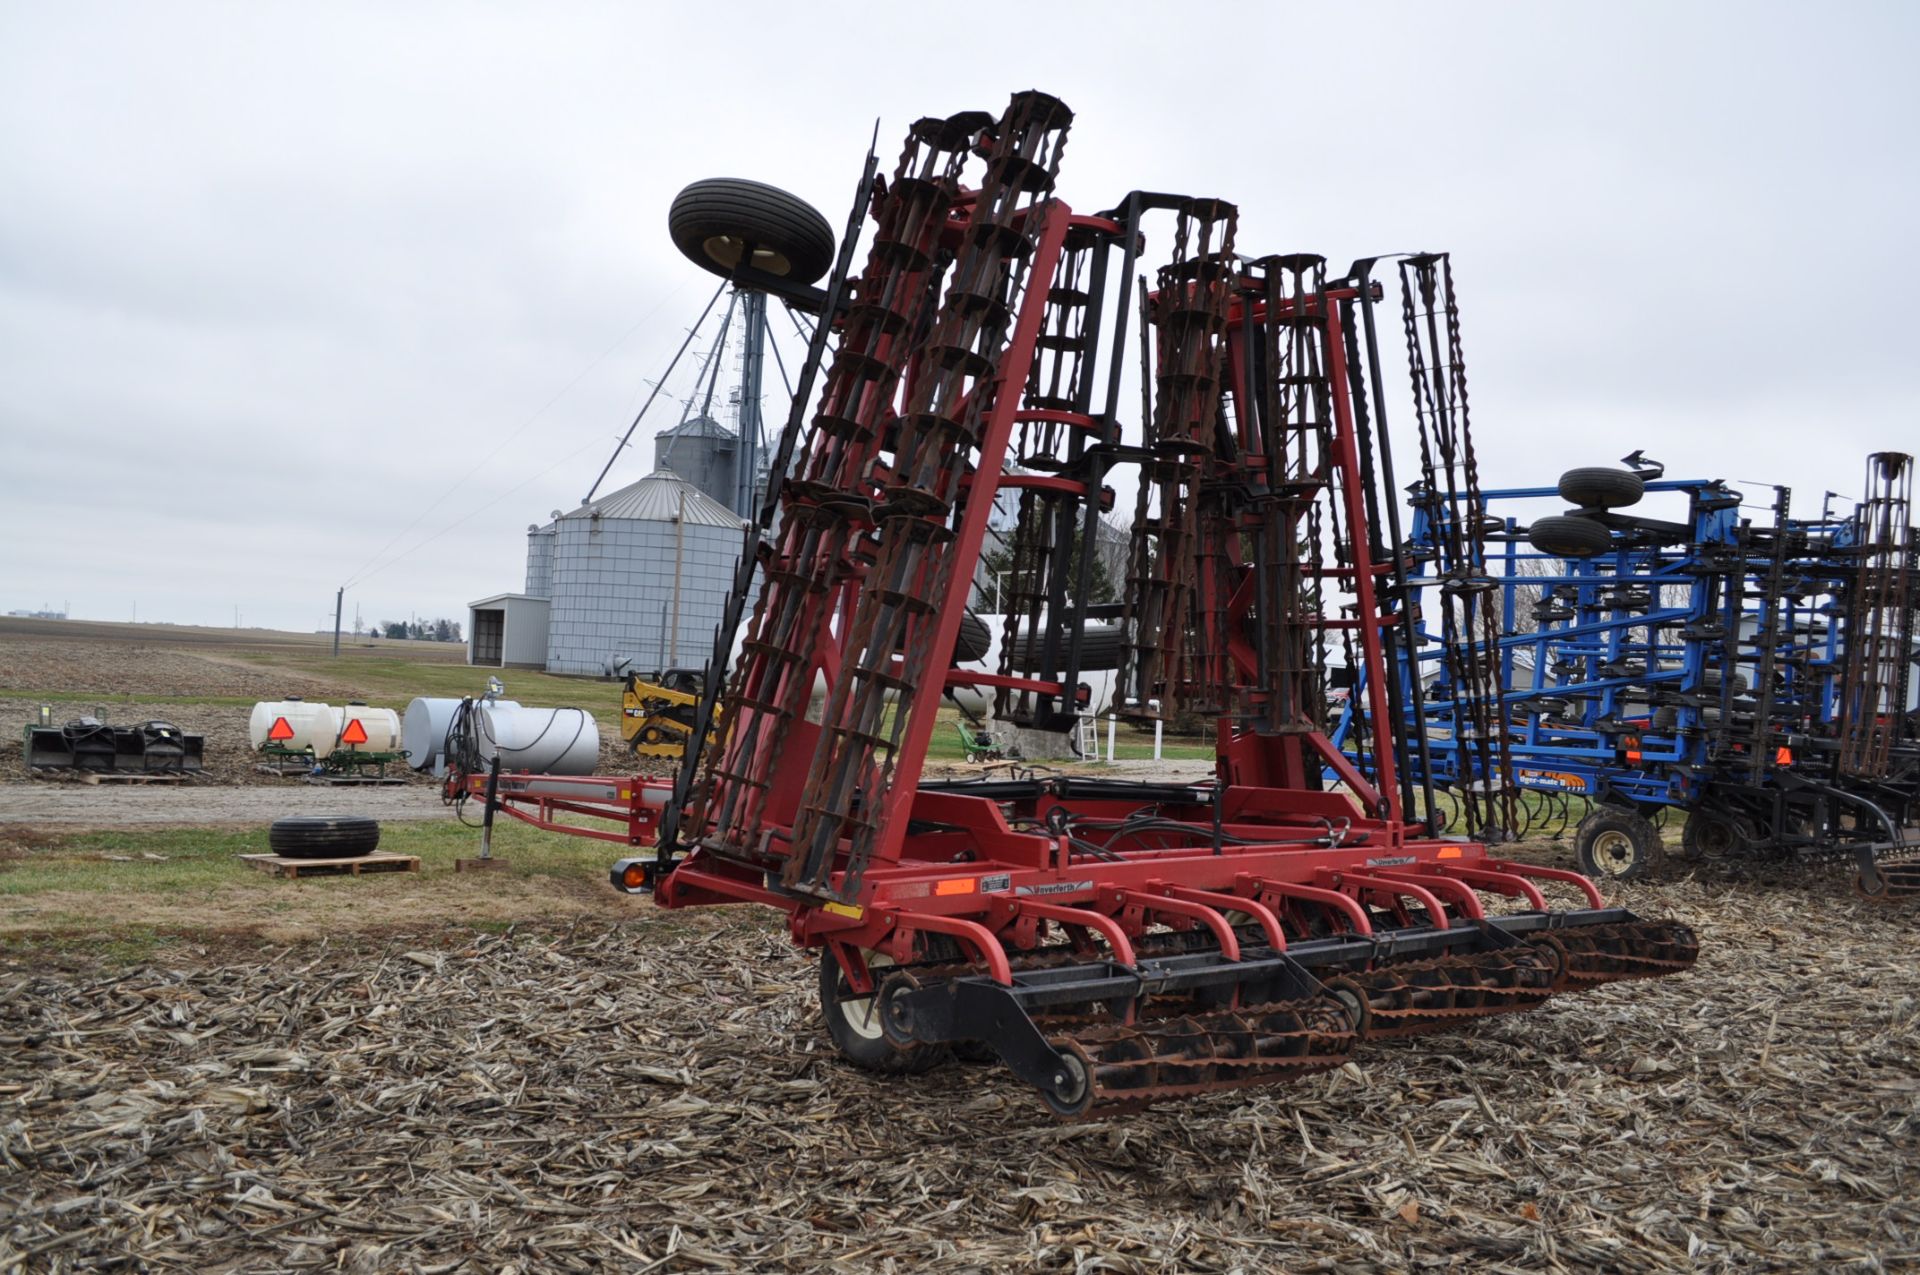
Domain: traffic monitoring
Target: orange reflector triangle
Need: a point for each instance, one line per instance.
(1784, 757)
(355, 733)
(280, 729)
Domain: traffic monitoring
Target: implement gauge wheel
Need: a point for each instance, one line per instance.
(1602, 488)
(853, 1021)
(1569, 536)
(714, 221)
(1612, 844)
(1710, 833)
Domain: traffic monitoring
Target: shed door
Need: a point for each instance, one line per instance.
(489, 631)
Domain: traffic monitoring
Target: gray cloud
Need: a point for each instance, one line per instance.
(272, 278)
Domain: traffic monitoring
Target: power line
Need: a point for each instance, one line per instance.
(361, 573)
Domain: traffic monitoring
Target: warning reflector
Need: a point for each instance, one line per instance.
(280, 729)
(354, 734)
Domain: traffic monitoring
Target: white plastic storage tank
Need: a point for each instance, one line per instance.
(313, 725)
(380, 726)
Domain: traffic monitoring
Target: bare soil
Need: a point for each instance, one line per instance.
(124, 673)
(658, 1094)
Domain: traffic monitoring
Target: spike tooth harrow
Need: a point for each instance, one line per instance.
(1116, 1069)
(1116, 943)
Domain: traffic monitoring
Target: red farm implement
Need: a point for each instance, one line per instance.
(1115, 943)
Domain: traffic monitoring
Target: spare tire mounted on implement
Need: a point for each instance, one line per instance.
(718, 221)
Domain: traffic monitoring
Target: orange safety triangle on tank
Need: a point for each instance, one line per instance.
(280, 729)
(355, 733)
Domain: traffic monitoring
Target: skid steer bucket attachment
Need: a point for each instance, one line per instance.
(89, 745)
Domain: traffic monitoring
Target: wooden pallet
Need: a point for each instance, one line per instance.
(372, 781)
(127, 777)
(378, 861)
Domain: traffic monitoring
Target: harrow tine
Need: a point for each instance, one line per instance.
(1590, 955)
(1415, 998)
(1125, 1068)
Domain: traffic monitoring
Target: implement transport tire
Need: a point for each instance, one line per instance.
(1569, 536)
(324, 836)
(1602, 488)
(853, 1023)
(713, 221)
(1713, 675)
(1612, 844)
(974, 641)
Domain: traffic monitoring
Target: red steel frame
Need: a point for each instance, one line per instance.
(1287, 851)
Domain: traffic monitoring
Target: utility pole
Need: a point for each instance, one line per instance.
(746, 491)
(679, 545)
(338, 596)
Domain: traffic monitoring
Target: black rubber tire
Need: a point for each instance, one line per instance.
(1569, 536)
(712, 221)
(869, 1051)
(1612, 844)
(1602, 487)
(1665, 717)
(323, 837)
(1099, 648)
(1713, 675)
(1711, 833)
(975, 639)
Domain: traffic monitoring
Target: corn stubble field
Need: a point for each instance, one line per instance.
(397, 1075)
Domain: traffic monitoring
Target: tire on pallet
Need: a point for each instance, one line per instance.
(1612, 844)
(712, 222)
(324, 836)
(1569, 536)
(1602, 487)
(853, 1023)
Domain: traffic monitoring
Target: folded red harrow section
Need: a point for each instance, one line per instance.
(1114, 943)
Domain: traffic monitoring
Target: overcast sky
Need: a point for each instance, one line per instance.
(274, 277)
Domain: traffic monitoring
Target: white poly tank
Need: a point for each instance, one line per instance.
(381, 726)
(546, 741)
(425, 734)
(313, 724)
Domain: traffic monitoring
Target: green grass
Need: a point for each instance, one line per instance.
(391, 681)
(203, 859)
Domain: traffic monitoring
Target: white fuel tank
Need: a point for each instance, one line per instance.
(546, 741)
(425, 731)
